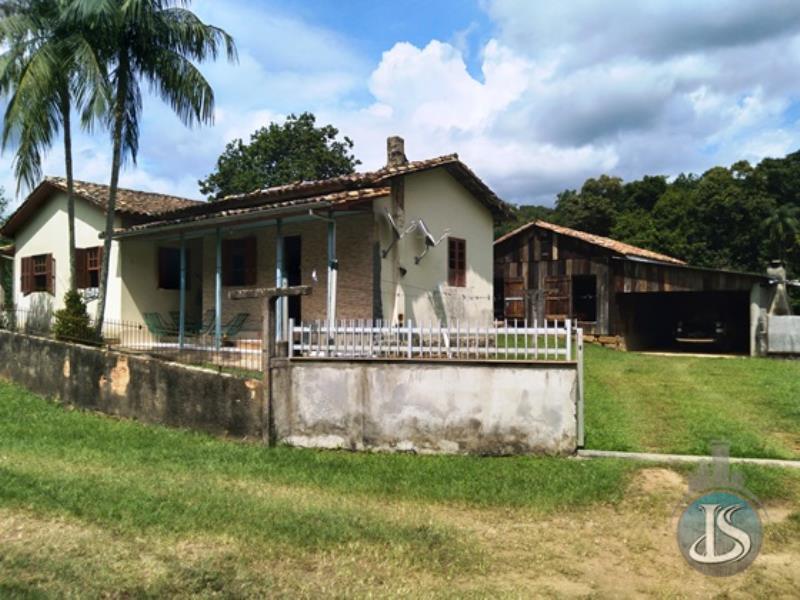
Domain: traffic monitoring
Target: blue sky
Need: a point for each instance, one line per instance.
(534, 96)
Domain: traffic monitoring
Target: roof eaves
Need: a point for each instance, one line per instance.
(337, 200)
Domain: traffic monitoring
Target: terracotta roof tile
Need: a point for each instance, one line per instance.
(133, 202)
(336, 199)
(597, 240)
(302, 192)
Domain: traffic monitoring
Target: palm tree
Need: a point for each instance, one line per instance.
(48, 69)
(153, 41)
(783, 230)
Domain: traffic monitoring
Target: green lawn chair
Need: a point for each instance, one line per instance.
(193, 326)
(229, 329)
(234, 326)
(157, 326)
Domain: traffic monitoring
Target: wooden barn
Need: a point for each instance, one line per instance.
(623, 294)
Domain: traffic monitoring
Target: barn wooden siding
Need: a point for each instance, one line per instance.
(538, 265)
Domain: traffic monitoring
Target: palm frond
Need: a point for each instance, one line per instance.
(181, 85)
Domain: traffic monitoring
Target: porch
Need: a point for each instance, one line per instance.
(176, 281)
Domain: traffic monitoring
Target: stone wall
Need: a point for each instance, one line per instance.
(138, 387)
(427, 406)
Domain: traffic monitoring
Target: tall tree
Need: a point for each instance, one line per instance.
(278, 154)
(155, 42)
(49, 69)
(783, 228)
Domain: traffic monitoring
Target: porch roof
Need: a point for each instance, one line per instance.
(333, 201)
(335, 192)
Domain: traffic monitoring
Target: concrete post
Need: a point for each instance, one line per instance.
(218, 292)
(271, 298)
(182, 300)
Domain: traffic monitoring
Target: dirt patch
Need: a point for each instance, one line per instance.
(658, 480)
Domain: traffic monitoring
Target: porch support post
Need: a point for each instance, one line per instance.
(333, 270)
(280, 281)
(182, 301)
(218, 292)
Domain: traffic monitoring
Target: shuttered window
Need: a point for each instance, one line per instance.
(169, 268)
(38, 274)
(456, 262)
(87, 267)
(239, 262)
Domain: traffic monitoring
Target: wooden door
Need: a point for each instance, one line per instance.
(514, 295)
(557, 297)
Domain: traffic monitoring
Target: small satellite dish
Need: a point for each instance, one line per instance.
(314, 276)
(397, 233)
(430, 241)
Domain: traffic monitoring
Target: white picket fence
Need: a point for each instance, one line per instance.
(518, 340)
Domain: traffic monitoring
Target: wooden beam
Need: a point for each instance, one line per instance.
(270, 292)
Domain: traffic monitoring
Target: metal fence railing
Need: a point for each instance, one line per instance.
(516, 340)
(241, 353)
(548, 340)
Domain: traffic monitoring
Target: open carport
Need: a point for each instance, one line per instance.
(704, 321)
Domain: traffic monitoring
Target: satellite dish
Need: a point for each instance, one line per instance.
(397, 233)
(430, 241)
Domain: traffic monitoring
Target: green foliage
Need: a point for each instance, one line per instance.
(524, 214)
(154, 43)
(733, 218)
(48, 68)
(279, 154)
(6, 271)
(72, 323)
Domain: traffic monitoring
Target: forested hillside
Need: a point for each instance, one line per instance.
(735, 218)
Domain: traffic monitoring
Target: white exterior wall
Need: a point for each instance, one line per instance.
(423, 295)
(47, 232)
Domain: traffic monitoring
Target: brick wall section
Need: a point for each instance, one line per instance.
(354, 240)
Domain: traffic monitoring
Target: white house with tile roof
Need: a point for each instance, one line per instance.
(411, 241)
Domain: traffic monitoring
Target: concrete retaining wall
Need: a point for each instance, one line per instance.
(783, 334)
(138, 387)
(427, 406)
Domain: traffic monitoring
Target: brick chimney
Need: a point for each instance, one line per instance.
(395, 151)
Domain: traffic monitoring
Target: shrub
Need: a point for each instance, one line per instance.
(72, 322)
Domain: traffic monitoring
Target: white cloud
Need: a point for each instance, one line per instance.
(564, 91)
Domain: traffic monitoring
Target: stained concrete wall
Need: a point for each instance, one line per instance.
(130, 386)
(783, 334)
(427, 406)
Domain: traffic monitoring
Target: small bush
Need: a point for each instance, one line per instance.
(72, 323)
(8, 318)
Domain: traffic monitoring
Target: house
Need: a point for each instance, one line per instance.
(6, 268)
(648, 300)
(410, 241)
(39, 228)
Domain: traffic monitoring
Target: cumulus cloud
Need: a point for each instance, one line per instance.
(555, 93)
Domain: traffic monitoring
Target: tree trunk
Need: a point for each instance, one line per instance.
(116, 163)
(65, 117)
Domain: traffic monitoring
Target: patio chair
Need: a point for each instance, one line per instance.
(157, 326)
(193, 326)
(234, 326)
(229, 329)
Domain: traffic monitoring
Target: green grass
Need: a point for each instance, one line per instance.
(677, 404)
(93, 506)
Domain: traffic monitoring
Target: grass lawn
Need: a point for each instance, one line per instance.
(91, 506)
(680, 404)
